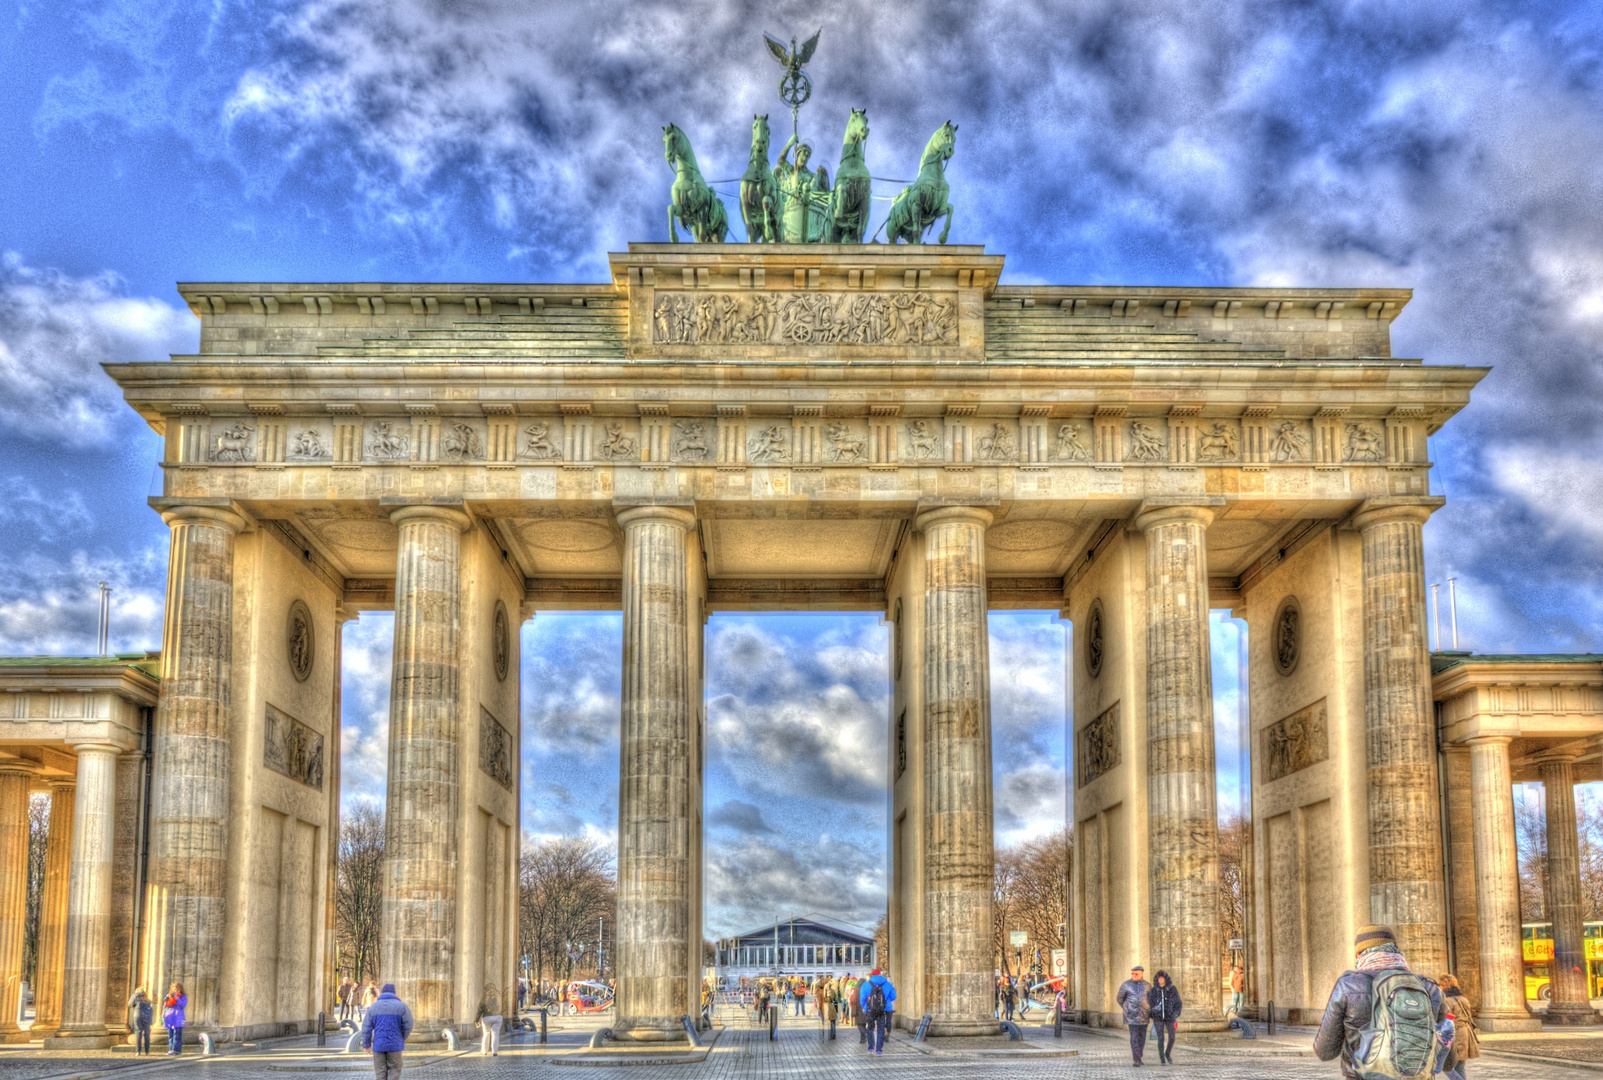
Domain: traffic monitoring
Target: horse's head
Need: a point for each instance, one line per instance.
(759, 130)
(941, 144)
(676, 146)
(857, 126)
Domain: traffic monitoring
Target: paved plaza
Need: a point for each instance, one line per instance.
(743, 1052)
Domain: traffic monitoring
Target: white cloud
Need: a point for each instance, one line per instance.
(751, 881)
(56, 331)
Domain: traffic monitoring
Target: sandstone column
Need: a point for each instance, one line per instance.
(420, 854)
(654, 811)
(1571, 1003)
(959, 858)
(1406, 890)
(1497, 896)
(14, 783)
(53, 913)
(1182, 811)
(89, 907)
(189, 799)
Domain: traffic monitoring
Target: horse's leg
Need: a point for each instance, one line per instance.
(946, 211)
(673, 233)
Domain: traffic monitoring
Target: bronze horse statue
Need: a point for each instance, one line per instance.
(759, 194)
(924, 200)
(847, 219)
(693, 202)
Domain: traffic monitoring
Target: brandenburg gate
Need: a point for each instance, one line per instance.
(765, 427)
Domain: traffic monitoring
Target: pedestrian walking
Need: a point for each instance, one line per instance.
(1238, 989)
(384, 1031)
(141, 1012)
(1163, 1006)
(172, 1017)
(489, 1019)
(879, 1003)
(1009, 999)
(1132, 1000)
(369, 995)
(342, 997)
(1380, 1011)
(1466, 1037)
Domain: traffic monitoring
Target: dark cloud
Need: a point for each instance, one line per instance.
(750, 882)
(742, 817)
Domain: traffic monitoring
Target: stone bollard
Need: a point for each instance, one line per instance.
(354, 1042)
(207, 1047)
(449, 1035)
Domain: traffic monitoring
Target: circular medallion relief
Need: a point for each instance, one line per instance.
(501, 641)
(1093, 639)
(1286, 638)
(301, 639)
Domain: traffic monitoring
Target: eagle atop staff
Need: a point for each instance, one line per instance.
(794, 86)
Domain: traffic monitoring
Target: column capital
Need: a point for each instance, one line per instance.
(1554, 756)
(941, 515)
(222, 513)
(1487, 740)
(442, 515)
(1395, 510)
(1150, 516)
(678, 514)
(94, 747)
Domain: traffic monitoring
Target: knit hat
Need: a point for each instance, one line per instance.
(387, 988)
(1368, 937)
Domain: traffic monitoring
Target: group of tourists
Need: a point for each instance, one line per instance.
(868, 1003)
(1383, 1020)
(142, 1013)
(353, 1001)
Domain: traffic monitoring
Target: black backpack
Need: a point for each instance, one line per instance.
(876, 999)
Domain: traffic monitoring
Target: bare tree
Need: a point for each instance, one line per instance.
(359, 891)
(1031, 894)
(1530, 834)
(567, 889)
(882, 941)
(1002, 908)
(38, 841)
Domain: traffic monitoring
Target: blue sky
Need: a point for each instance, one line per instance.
(1453, 148)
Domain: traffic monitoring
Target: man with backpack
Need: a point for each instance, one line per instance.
(1383, 1020)
(879, 1002)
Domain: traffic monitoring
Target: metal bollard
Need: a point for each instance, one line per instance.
(542, 1025)
(773, 1024)
(322, 1029)
(1057, 1023)
(1269, 1022)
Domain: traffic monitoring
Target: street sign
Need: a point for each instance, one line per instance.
(1233, 944)
(1060, 962)
(1017, 938)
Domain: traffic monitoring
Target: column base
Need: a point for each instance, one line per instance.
(1572, 1015)
(80, 1042)
(650, 1029)
(42, 1031)
(947, 1028)
(1213, 1020)
(1509, 1020)
(19, 1036)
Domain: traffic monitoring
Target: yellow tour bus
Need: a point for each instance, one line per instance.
(1537, 948)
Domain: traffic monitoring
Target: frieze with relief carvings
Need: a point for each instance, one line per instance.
(1098, 749)
(805, 318)
(1293, 744)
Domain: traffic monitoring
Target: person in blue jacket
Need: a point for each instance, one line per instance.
(384, 1032)
(878, 999)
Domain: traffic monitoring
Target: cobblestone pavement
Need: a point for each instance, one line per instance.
(745, 1053)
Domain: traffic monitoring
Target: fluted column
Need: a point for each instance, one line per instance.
(52, 951)
(959, 875)
(1497, 895)
(14, 783)
(420, 825)
(654, 812)
(1182, 810)
(1406, 888)
(1571, 1003)
(89, 909)
(189, 800)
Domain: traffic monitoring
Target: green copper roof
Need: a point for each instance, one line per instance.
(144, 662)
(1446, 660)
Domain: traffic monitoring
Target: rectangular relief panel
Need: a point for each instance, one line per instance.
(1098, 751)
(805, 318)
(1296, 742)
(495, 749)
(292, 749)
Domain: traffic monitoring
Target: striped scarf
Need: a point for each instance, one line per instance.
(1382, 958)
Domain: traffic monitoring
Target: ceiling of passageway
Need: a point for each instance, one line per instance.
(1029, 540)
